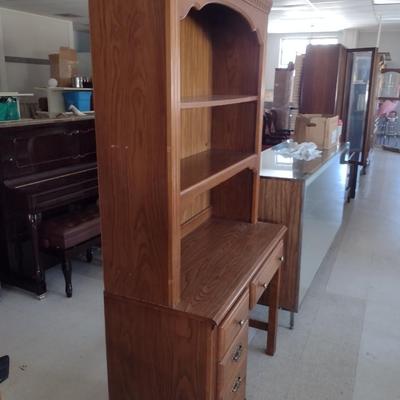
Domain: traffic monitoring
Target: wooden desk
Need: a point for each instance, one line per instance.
(208, 327)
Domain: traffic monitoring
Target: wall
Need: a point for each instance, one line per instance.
(82, 41)
(29, 36)
(389, 42)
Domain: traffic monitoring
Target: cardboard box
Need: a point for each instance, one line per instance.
(320, 129)
(63, 66)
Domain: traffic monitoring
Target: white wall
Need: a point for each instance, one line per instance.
(30, 36)
(82, 41)
(85, 64)
(390, 41)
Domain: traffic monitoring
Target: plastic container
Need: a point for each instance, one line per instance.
(80, 99)
(9, 109)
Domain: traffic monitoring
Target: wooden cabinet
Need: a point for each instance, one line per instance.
(323, 81)
(178, 96)
(308, 198)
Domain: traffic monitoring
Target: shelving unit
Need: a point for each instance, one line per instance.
(55, 98)
(179, 159)
(204, 171)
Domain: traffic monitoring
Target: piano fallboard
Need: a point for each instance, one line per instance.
(46, 191)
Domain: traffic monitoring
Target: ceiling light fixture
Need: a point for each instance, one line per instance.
(386, 2)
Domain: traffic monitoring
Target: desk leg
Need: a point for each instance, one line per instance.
(35, 220)
(273, 301)
(291, 325)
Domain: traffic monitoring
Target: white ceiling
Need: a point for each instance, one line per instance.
(329, 15)
(286, 16)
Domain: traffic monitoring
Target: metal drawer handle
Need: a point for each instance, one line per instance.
(237, 385)
(264, 285)
(282, 259)
(238, 353)
(242, 322)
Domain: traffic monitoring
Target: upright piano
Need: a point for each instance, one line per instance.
(46, 168)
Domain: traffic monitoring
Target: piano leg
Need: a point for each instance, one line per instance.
(34, 220)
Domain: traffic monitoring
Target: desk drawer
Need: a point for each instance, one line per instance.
(231, 364)
(263, 278)
(236, 389)
(232, 324)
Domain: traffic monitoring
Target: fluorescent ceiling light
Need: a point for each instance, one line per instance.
(388, 2)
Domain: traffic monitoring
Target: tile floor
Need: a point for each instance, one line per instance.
(345, 345)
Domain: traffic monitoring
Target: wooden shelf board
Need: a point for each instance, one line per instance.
(219, 259)
(389, 98)
(384, 71)
(216, 100)
(65, 89)
(207, 169)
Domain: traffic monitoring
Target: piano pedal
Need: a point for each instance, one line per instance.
(41, 297)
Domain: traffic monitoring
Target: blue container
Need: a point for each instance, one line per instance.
(80, 99)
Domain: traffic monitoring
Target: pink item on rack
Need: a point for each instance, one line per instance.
(387, 107)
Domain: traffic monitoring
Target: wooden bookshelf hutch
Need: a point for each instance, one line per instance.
(178, 98)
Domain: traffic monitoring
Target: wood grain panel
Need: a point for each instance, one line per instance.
(195, 222)
(233, 45)
(215, 101)
(141, 340)
(254, 11)
(320, 86)
(196, 80)
(218, 261)
(130, 73)
(234, 322)
(196, 56)
(234, 198)
(195, 207)
(234, 127)
(261, 281)
(281, 202)
(196, 131)
(195, 138)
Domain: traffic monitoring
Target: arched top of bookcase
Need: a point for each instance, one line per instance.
(253, 11)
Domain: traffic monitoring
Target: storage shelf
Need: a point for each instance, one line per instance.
(389, 98)
(214, 101)
(65, 89)
(205, 170)
(218, 259)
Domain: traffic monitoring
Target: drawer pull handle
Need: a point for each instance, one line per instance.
(264, 285)
(238, 353)
(282, 259)
(237, 385)
(242, 322)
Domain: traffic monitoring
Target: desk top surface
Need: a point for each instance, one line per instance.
(275, 165)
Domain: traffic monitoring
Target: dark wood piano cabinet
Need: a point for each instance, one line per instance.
(46, 167)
